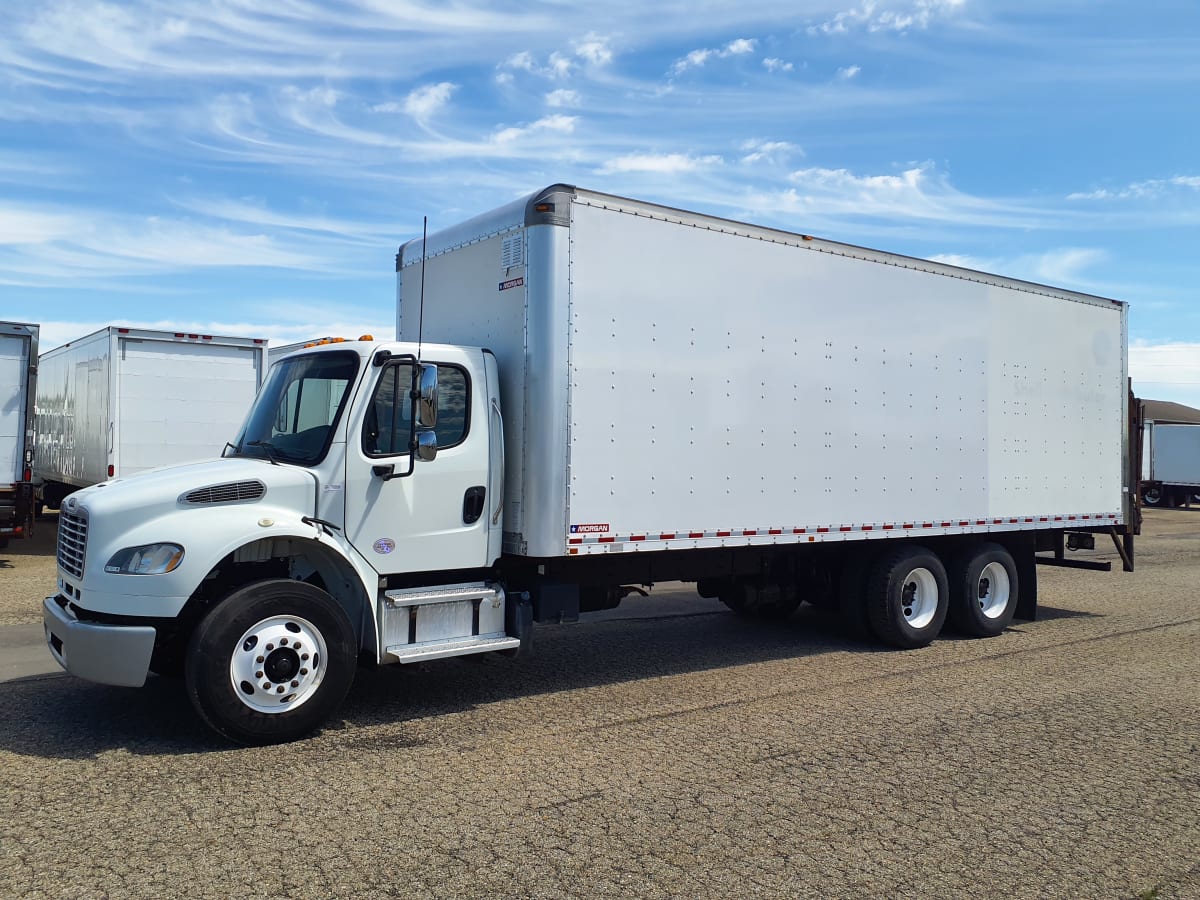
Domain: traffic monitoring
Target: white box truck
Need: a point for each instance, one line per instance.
(1170, 464)
(600, 394)
(124, 400)
(18, 379)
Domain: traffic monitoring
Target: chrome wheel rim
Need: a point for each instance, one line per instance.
(278, 664)
(919, 598)
(993, 590)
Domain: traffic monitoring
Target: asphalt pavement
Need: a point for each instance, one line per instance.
(666, 749)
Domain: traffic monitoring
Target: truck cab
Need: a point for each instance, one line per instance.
(356, 513)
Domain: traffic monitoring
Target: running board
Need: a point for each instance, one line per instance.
(432, 622)
(411, 653)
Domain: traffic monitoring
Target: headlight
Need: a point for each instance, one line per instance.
(150, 559)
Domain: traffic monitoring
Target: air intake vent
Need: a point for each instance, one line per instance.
(233, 492)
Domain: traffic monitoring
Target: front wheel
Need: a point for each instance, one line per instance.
(906, 597)
(1152, 495)
(271, 662)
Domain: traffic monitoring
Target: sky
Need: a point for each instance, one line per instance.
(249, 167)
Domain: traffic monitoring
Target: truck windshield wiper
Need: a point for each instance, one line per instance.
(270, 451)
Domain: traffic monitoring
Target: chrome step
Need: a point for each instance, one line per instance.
(446, 594)
(441, 620)
(411, 653)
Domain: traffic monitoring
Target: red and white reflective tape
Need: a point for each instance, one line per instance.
(795, 534)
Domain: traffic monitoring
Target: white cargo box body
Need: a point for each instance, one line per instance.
(134, 399)
(672, 380)
(1174, 453)
(18, 348)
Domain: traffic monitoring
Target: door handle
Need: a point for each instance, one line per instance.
(473, 504)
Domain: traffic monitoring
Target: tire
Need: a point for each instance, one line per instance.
(907, 597)
(984, 591)
(244, 675)
(851, 598)
(1152, 495)
(768, 602)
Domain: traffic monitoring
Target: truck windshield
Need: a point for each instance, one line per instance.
(294, 416)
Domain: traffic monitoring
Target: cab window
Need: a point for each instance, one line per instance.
(388, 425)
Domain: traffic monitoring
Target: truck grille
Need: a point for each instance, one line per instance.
(72, 541)
(232, 492)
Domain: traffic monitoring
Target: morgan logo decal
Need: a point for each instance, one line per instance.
(511, 283)
(384, 546)
(589, 529)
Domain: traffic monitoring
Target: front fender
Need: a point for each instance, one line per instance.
(207, 535)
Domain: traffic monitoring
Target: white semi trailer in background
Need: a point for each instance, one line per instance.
(606, 394)
(125, 400)
(1170, 464)
(18, 380)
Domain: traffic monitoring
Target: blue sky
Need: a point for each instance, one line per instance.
(249, 167)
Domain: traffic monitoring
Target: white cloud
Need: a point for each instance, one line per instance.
(771, 64)
(594, 49)
(770, 151)
(555, 123)
(557, 67)
(21, 225)
(1140, 190)
(661, 163)
(1068, 267)
(523, 61)
(562, 97)
(428, 99)
(698, 58)
(1166, 371)
(873, 15)
(919, 193)
(848, 72)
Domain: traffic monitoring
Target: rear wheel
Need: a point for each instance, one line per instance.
(1152, 495)
(768, 601)
(271, 662)
(907, 597)
(983, 591)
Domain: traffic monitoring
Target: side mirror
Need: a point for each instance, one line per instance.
(427, 446)
(427, 397)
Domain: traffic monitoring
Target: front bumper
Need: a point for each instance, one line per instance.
(107, 654)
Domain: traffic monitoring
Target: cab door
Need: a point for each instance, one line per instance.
(434, 518)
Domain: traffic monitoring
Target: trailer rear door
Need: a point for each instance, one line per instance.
(14, 374)
(180, 402)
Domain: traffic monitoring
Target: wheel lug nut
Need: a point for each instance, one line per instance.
(295, 684)
(283, 642)
(270, 647)
(304, 671)
(266, 685)
(304, 656)
(260, 659)
(279, 689)
(258, 674)
(295, 645)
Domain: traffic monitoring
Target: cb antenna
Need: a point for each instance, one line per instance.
(421, 304)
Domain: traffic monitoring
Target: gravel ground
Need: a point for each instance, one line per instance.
(27, 574)
(687, 754)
